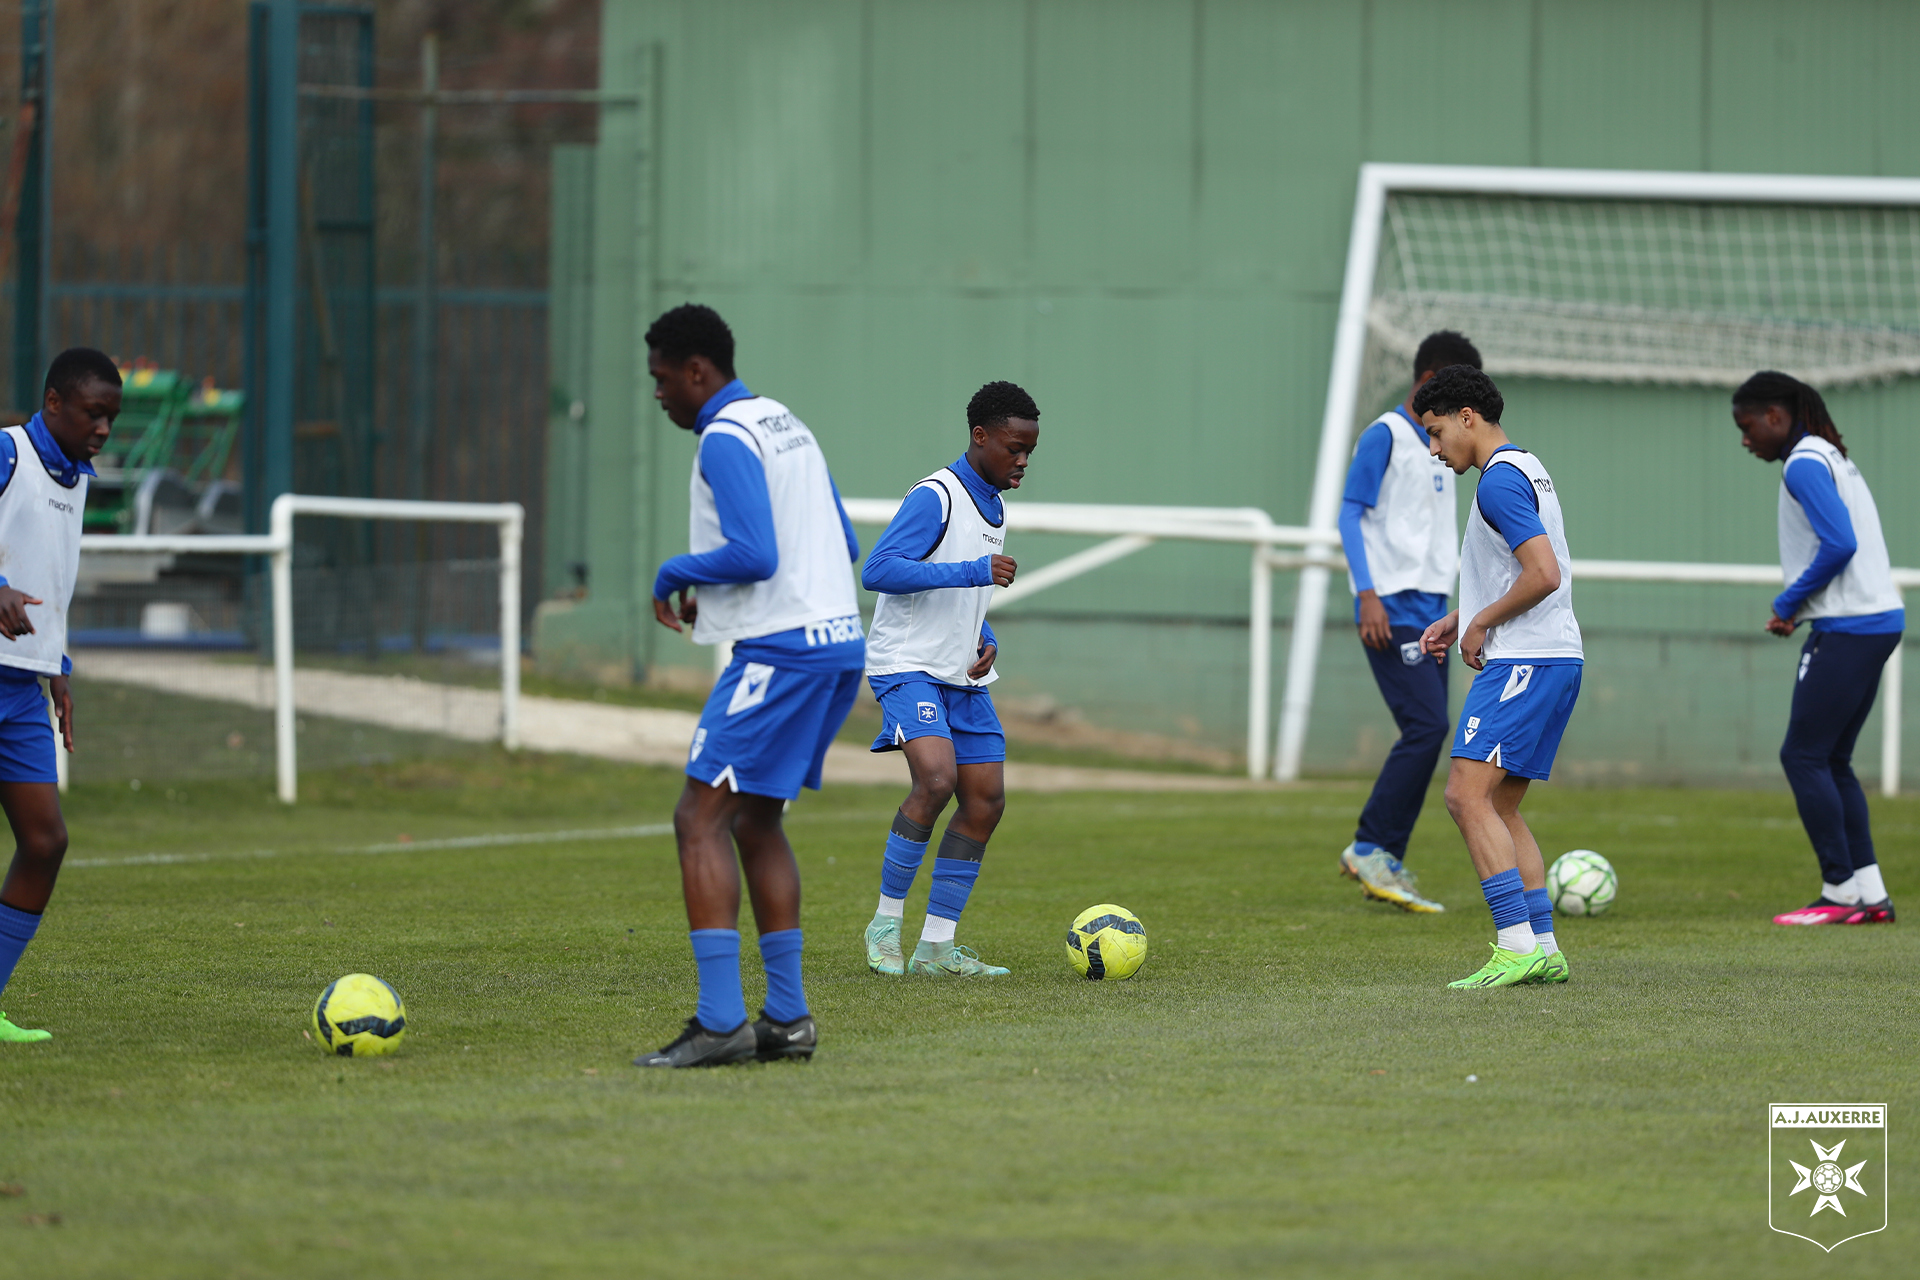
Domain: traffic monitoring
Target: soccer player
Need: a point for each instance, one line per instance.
(1833, 559)
(929, 662)
(1515, 628)
(1403, 553)
(772, 551)
(44, 467)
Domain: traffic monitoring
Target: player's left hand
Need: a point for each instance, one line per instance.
(1780, 626)
(14, 622)
(1473, 643)
(62, 694)
(985, 664)
(665, 615)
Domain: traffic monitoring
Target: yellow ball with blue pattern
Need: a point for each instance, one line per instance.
(359, 1016)
(1107, 942)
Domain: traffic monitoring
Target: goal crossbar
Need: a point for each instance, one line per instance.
(277, 545)
(1379, 182)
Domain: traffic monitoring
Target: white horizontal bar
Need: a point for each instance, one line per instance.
(1068, 567)
(1645, 184)
(1247, 525)
(211, 543)
(302, 504)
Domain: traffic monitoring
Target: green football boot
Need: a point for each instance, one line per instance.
(10, 1034)
(1505, 969)
(1554, 970)
(883, 946)
(955, 961)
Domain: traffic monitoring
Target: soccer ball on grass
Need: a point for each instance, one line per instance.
(1107, 942)
(1581, 883)
(359, 1016)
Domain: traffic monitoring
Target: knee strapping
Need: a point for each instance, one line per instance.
(908, 829)
(961, 848)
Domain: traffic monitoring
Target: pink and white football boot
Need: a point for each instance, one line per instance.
(1823, 911)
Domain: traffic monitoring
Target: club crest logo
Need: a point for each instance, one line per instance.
(699, 744)
(1827, 1170)
(1473, 727)
(929, 713)
(1410, 653)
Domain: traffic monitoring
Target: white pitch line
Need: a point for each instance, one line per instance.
(403, 846)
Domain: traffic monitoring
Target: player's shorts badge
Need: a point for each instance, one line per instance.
(1410, 653)
(1827, 1170)
(1473, 727)
(929, 712)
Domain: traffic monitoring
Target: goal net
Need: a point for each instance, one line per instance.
(1668, 279)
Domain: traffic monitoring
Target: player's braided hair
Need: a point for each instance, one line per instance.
(691, 330)
(996, 402)
(1809, 411)
(1443, 348)
(1457, 387)
(75, 365)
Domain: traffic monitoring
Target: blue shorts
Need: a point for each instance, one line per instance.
(26, 735)
(765, 730)
(1515, 714)
(916, 708)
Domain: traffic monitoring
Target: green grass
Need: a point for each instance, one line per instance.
(1283, 1090)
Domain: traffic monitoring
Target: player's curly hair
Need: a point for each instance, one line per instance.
(993, 404)
(691, 330)
(1457, 387)
(1809, 411)
(1442, 348)
(75, 365)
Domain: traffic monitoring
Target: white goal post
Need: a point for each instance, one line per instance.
(277, 544)
(1613, 276)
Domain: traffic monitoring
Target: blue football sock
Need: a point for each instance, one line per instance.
(780, 953)
(717, 952)
(1506, 898)
(901, 865)
(1540, 910)
(952, 884)
(16, 931)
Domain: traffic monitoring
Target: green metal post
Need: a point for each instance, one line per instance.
(34, 214)
(275, 437)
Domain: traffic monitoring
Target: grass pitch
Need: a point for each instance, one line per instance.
(1283, 1090)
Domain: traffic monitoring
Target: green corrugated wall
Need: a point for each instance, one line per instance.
(1139, 210)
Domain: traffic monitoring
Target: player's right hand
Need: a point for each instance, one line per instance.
(1438, 638)
(14, 622)
(664, 612)
(1003, 569)
(1375, 631)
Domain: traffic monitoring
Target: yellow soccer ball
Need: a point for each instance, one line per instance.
(359, 1016)
(1107, 942)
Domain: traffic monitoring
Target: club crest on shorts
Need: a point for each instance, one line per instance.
(1410, 653)
(929, 712)
(1827, 1170)
(1473, 727)
(699, 744)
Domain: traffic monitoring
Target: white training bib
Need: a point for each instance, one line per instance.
(39, 554)
(1409, 532)
(814, 580)
(1488, 570)
(938, 631)
(1865, 584)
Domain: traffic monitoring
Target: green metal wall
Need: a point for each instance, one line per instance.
(1139, 209)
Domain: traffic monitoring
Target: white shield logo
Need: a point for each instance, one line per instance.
(929, 713)
(1827, 1170)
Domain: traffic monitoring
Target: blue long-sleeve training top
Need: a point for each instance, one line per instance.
(1813, 488)
(1365, 474)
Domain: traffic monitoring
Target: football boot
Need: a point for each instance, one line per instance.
(10, 1034)
(883, 946)
(1823, 910)
(952, 961)
(1554, 970)
(1505, 969)
(1385, 878)
(1877, 913)
(699, 1047)
(776, 1041)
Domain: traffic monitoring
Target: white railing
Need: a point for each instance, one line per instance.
(277, 543)
(1131, 529)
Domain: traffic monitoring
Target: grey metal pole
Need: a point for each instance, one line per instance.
(425, 326)
(283, 244)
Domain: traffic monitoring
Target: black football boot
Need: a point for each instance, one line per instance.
(699, 1047)
(775, 1041)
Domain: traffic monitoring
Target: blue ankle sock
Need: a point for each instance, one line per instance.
(901, 865)
(1540, 909)
(952, 884)
(717, 953)
(1506, 898)
(16, 931)
(780, 953)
